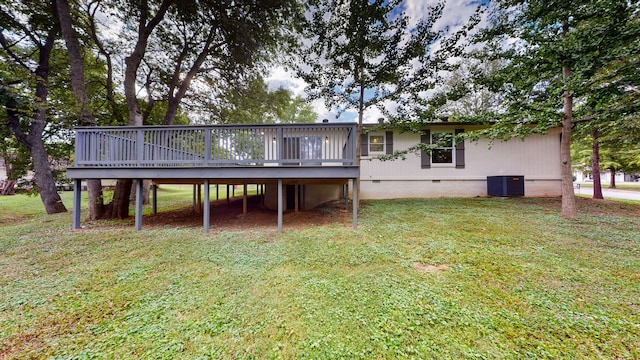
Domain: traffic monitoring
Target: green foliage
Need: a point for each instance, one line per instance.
(618, 146)
(253, 103)
(363, 46)
(210, 44)
(466, 99)
(61, 115)
(519, 281)
(597, 41)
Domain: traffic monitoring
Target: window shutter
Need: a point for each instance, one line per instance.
(425, 157)
(388, 137)
(460, 151)
(364, 147)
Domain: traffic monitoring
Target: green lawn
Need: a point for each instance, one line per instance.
(619, 186)
(512, 279)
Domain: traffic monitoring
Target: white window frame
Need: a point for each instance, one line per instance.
(451, 148)
(384, 143)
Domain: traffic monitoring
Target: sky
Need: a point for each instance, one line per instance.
(455, 14)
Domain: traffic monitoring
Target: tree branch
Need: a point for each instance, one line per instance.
(13, 55)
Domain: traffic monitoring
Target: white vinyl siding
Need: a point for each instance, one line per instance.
(535, 157)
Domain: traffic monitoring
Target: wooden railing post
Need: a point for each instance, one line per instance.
(280, 145)
(140, 146)
(207, 146)
(79, 145)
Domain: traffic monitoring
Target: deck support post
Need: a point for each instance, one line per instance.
(296, 197)
(207, 208)
(154, 204)
(199, 208)
(139, 204)
(217, 192)
(228, 197)
(77, 195)
(279, 205)
(262, 186)
(244, 199)
(345, 190)
(194, 196)
(355, 204)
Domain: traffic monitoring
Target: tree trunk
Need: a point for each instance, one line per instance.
(568, 196)
(134, 60)
(109, 86)
(96, 207)
(85, 115)
(359, 141)
(569, 209)
(595, 166)
(33, 139)
(172, 110)
(175, 97)
(146, 190)
(45, 182)
(612, 183)
(43, 176)
(119, 206)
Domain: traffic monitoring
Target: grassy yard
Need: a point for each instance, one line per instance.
(619, 186)
(442, 278)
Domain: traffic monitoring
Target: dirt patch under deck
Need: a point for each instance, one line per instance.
(229, 216)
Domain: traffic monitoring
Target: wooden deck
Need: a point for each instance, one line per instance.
(275, 153)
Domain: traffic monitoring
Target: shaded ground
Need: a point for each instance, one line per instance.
(589, 206)
(229, 216)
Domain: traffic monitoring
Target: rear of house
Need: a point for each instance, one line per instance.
(456, 170)
(304, 165)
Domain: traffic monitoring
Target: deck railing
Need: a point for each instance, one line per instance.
(216, 145)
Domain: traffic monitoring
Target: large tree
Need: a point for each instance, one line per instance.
(169, 45)
(553, 52)
(28, 34)
(81, 97)
(363, 54)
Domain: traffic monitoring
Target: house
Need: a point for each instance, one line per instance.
(605, 177)
(456, 170)
(303, 165)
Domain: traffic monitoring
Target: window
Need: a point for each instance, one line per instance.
(444, 153)
(376, 143)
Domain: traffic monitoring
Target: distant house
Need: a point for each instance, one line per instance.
(299, 166)
(605, 177)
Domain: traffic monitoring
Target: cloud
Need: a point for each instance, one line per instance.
(279, 77)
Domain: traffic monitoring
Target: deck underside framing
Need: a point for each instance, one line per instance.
(207, 176)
